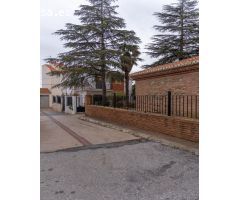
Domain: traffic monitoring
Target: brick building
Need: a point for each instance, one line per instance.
(175, 114)
(181, 77)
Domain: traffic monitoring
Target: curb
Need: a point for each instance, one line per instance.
(99, 146)
(163, 141)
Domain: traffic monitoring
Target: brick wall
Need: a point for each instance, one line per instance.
(174, 126)
(181, 83)
(118, 87)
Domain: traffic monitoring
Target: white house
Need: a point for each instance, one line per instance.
(72, 100)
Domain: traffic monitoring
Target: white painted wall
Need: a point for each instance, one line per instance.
(50, 81)
(46, 79)
(57, 107)
(74, 108)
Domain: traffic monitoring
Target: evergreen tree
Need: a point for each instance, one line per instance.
(179, 32)
(94, 44)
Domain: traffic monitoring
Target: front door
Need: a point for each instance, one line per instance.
(63, 103)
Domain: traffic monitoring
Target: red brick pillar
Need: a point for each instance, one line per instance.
(88, 100)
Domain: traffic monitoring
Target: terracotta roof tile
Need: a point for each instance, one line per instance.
(51, 67)
(44, 91)
(169, 66)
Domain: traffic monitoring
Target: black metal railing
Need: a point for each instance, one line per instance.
(152, 103)
(185, 106)
(168, 104)
(100, 86)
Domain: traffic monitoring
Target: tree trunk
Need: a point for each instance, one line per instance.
(127, 87)
(104, 89)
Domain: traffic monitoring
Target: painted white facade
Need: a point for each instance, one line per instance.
(79, 93)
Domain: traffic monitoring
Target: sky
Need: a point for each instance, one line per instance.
(138, 15)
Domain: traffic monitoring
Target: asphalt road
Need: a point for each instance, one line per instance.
(142, 171)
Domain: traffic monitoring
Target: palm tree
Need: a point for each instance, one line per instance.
(129, 57)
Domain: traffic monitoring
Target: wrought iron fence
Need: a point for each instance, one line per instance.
(171, 105)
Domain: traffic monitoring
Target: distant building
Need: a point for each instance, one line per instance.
(44, 98)
(72, 100)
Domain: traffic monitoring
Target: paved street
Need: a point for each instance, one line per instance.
(99, 163)
(148, 171)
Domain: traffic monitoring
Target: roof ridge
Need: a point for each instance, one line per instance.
(163, 67)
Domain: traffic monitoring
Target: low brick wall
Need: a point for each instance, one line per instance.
(175, 126)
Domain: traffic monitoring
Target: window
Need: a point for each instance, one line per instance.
(98, 81)
(98, 85)
(54, 99)
(59, 99)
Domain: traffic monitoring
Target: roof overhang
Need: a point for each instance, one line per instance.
(183, 66)
(44, 91)
(173, 71)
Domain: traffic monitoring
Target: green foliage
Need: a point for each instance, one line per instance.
(94, 45)
(129, 57)
(178, 36)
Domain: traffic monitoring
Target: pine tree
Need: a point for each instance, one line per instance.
(179, 32)
(94, 44)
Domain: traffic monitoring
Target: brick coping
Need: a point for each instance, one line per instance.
(149, 113)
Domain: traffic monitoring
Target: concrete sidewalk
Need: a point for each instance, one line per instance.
(53, 137)
(162, 138)
(62, 131)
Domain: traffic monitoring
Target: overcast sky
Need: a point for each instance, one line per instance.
(138, 15)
